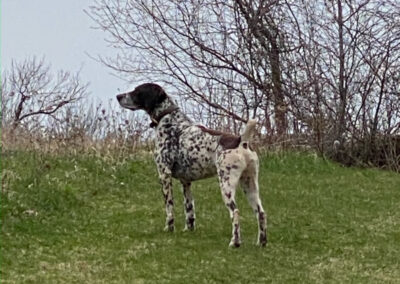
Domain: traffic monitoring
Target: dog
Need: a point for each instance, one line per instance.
(189, 152)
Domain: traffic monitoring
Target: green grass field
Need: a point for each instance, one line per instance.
(85, 219)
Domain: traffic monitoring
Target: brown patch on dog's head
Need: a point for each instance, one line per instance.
(146, 97)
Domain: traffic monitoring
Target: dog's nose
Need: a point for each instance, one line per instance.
(120, 96)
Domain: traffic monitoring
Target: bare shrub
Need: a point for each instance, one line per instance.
(50, 113)
(31, 93)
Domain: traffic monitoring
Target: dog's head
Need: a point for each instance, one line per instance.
(145, 97)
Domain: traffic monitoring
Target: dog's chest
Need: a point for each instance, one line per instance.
(189, 152)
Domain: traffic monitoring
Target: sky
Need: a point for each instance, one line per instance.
(61, 32)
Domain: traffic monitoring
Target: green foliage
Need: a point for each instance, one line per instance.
(88, 219)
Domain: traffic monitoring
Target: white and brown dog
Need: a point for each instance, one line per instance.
(190, 152)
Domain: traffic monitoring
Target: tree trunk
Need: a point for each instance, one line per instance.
(279, 103)
(341, 121)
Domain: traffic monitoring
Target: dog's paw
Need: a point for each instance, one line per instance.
(234, 243)
(188, 229)
(262, 240)
(169, 228)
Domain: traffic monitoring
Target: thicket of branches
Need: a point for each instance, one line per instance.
(321, 73)
(324, 71)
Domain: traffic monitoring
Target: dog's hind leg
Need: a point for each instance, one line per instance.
(230, 168)
(249, 183)
(189, 206)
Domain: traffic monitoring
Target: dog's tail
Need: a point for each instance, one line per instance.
(249, 130)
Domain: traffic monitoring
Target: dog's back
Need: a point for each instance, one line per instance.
(200, 147)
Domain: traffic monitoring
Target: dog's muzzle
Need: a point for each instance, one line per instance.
(120, 97)
(126, 102)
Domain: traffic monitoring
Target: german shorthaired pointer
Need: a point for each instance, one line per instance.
(190, 152)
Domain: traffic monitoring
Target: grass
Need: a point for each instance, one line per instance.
(86, 219)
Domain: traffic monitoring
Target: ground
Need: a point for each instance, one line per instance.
(91, 219)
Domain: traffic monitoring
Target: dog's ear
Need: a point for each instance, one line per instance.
(150, 96)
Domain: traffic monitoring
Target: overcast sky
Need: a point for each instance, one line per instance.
(60, 31)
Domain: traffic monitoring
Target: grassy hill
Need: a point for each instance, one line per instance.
(88, 219)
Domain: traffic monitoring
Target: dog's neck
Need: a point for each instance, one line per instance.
(161, 108)
(165, 108)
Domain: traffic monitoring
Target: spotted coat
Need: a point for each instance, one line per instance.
(189, 152)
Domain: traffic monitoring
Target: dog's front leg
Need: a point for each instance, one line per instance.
(166, 183)
(189, 206)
